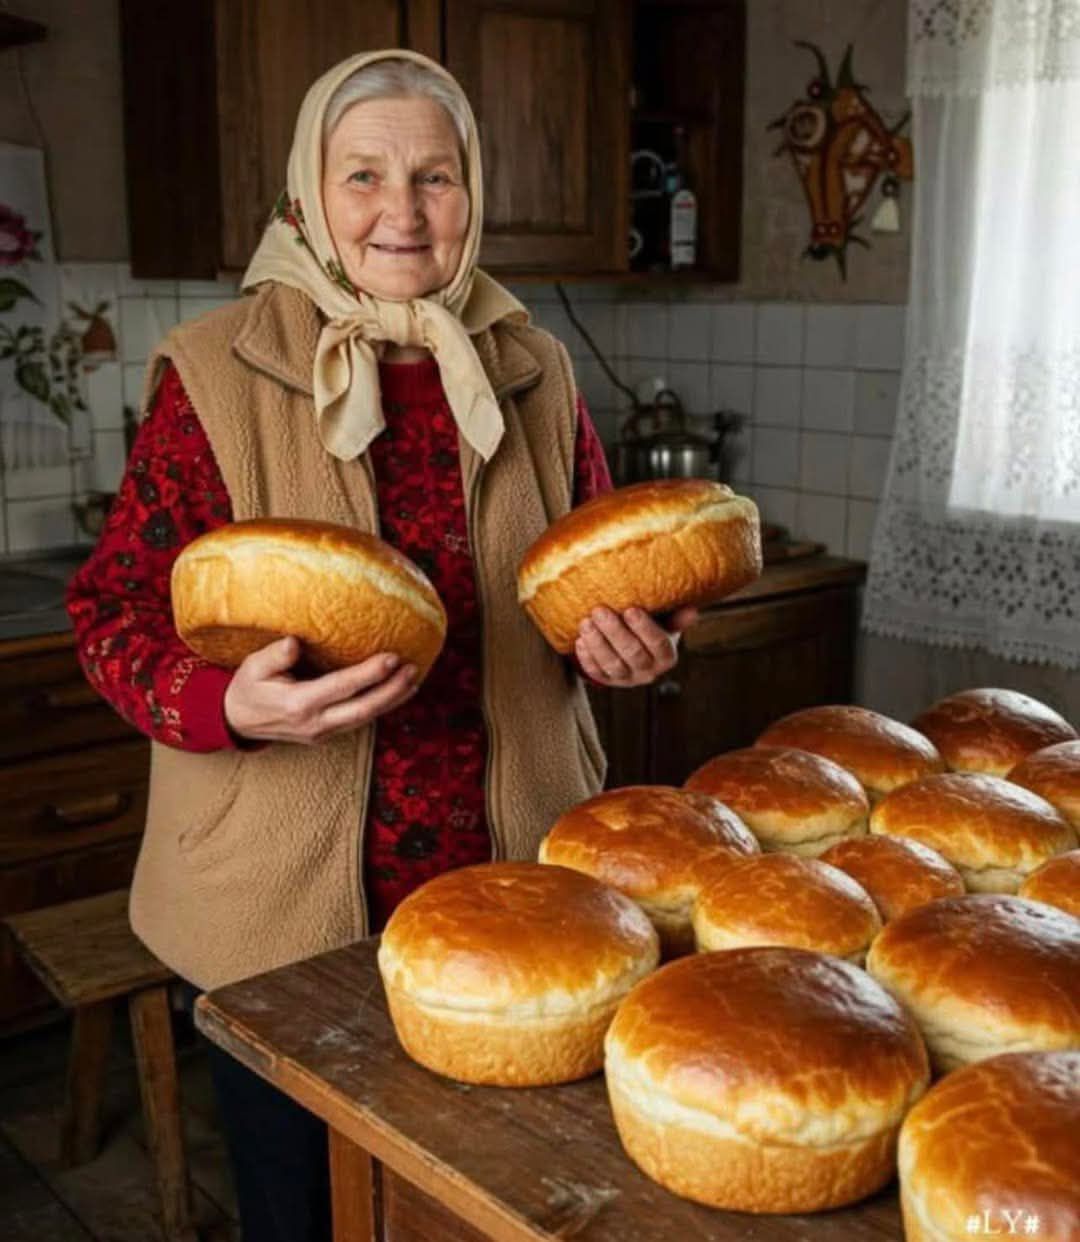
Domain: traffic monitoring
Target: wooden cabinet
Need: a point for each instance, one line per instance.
(207, 134)
(786, 642)
(73, 784)
(548, 81)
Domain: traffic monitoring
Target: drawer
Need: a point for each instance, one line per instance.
(46, 705)
(73, 800)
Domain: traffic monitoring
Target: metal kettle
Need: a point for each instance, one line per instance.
(668, 450)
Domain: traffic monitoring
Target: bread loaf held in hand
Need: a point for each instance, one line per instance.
(657, 546)
(344, 594)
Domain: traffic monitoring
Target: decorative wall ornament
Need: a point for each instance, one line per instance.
(44, 417)
(840, 147)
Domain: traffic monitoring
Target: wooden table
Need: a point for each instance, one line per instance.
(417, 1158)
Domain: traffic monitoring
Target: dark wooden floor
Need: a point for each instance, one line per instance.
(111, 1199)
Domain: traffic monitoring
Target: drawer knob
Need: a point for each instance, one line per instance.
(669, 688)
(80, 812)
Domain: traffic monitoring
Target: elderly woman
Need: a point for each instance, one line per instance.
(374, 377)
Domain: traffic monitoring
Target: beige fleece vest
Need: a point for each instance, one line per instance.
(252, 859)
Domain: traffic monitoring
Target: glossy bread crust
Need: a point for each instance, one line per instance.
(657, 546)
(345, 594)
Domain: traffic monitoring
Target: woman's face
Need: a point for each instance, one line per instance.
(395, 196)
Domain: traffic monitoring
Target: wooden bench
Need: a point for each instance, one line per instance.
(87, 955)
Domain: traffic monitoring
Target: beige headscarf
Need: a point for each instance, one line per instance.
(297, 250)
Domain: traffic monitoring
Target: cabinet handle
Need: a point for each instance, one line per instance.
(81, 812)
(79, 694)
(669, 688)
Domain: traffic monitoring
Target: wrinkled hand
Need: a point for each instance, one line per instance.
(632, 649)
(266, 702)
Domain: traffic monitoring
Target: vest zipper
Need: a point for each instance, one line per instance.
(498, 849)
(362, 763)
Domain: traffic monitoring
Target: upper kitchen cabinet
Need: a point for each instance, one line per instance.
(549, 83)
(687, 114)
(207, 129)
(562, 90)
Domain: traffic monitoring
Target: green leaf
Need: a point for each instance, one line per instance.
(10, 292)
(61, 407)
(31, 376)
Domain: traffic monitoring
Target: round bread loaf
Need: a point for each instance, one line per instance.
(785, 900)
(508, 973)
(881, 753)
(763, 1080)
(643, 840)
(994, 833)
(989, 730)
(899, 874)
(1054, 774)
(656, 546)
(984, 974)
(1056, 882)
(997, 1142)
(790, 800)
(344, 594)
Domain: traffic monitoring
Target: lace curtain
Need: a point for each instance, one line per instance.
(978, 539)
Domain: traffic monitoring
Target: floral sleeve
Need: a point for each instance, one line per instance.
(119, 602)
(591, 474)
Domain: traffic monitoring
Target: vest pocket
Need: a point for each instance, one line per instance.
(203, 825)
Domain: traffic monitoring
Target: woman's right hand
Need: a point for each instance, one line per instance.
(265, 702)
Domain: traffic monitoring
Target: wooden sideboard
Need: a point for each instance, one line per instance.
(785, 642)
(73, 781)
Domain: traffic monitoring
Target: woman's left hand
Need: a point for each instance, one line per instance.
(632, 649)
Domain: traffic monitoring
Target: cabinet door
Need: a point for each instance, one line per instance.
(743, 668)
(268, 53)
(548, 81)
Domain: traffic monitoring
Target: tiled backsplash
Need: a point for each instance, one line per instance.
(818, 385)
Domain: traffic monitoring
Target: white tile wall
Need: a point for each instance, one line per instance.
(824, 462)
(828, 400)
(779, 335)
(733, 388)
(778, 396)
(877, 394)
(817, 384)
(733, 332)
(690, 333)
(776, 457)
(830, 336)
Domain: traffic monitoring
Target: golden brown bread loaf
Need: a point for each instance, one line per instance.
(998, 1142)
(993, 832)
(881, 753)
(1054, 774)
(785, 900)
(656, 546)
(346, 595)
(763, 1080)
(790, 799)
(1056, 882)
(898, 873)
(643, 840)
(989, 730)
(984, 974)
(508, 973)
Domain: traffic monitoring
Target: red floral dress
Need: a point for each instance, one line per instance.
(426, 809)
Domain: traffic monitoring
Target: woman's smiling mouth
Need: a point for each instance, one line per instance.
(386, 249)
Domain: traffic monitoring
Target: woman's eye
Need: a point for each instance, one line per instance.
(363, 177)
(436, 179)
